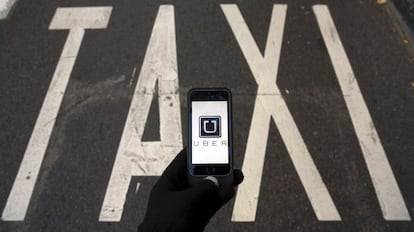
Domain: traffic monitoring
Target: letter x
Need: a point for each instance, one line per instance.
(270, 104)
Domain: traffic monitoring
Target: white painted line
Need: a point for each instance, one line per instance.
(386, 187)
(133, 72)
(134, 157)
(21, 192)
(83, 17)
(5, 7)
(137, 188)
(270, 103)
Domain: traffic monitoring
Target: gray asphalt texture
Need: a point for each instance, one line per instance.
(79, 159)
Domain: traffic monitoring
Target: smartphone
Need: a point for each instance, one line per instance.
(210, 147)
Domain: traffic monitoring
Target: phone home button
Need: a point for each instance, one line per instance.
(210, 170)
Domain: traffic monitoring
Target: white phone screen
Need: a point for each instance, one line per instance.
(209, 132)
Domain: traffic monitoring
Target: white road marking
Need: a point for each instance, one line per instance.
(134, 157)
(270, 103)
(65, 18)
(137, 188)
(386, 187)
(5, 7)
(133, 72)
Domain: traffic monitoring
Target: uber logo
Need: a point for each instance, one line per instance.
(210, 126)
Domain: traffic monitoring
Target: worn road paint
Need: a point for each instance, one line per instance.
(5, 7)
(386, 187)
(270, 103)
(76, 20)
(134, 157)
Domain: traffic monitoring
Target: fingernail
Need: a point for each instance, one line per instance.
(212, 179)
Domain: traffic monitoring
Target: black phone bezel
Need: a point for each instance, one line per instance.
(210, 94)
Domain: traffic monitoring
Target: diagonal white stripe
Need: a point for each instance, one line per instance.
(386, 187)
(5, 7)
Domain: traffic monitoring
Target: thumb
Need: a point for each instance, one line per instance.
(204, 190)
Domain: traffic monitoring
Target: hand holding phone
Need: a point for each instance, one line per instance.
(210, 150)
(175, 206)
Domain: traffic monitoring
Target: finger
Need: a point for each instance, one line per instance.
(238, 177)
(202, 192)
(227, 192)
(175, 175)
(178, 166)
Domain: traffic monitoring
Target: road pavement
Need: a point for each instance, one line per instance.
(93, 107)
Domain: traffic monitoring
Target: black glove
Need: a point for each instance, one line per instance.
(176, 206)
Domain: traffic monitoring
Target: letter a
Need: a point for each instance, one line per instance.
(134, 157)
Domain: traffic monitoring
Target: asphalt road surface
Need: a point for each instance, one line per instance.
(93, 107)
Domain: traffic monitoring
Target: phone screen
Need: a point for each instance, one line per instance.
(210, 138)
